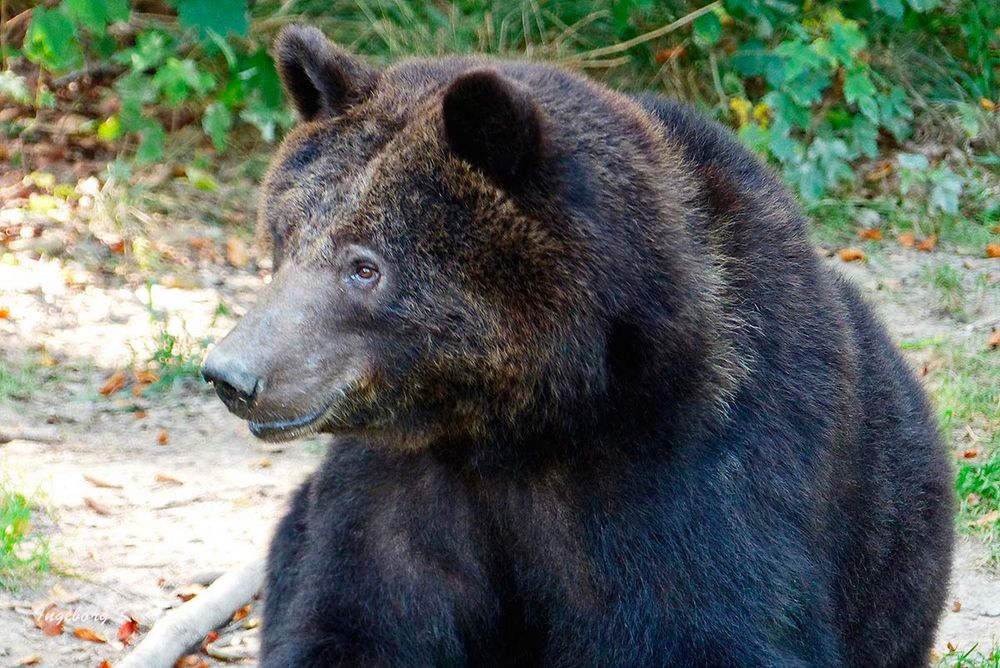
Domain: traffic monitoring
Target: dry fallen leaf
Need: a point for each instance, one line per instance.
(261, 464)
(986, 520)
(972, 500)
(97, 507)
(97, 482)
(189, 592)
(987, 104)
(882, 170)
(89, 634)
(242, 613)
(50, 620)
(670, 53)
(115, 382)
(210, 638)
(956, 606)
(4, 313)
(870, 233)
(146, 377)
(969, 454)
(191, 661)
(951, 646)
(167, 479)
(33, 660)
(993, 250)
(906, 239)
(994, 341)
(851, 254)
(163, 437)
(237, 254)
(927, 244)
(138, 415)
(105, 664)
(127, 630)
(46, 359)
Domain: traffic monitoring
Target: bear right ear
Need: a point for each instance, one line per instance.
(494, 124)
(322, 79)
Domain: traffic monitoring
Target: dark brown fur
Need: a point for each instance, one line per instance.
(601, 405)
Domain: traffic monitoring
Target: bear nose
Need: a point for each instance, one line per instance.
(236, 385)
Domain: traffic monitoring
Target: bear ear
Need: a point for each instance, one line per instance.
(322, 79)
(492, 123)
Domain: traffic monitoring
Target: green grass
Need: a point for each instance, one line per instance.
(176, 359)
(17, 381)
(947, 283)
(971, 658)
(24, 552)
(964, 384)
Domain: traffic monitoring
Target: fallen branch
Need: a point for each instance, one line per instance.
(651, 35)
(186, 626)
(99, 71)
(8, 434)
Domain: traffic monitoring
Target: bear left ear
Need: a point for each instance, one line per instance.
(492, 123)
(322, 79)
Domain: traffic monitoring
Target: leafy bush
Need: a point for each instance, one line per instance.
(204, 61)
(815, 86)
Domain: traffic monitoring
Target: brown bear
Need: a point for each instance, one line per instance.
(595, 401)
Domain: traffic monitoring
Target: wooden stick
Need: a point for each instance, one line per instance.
(8, 434)
(186, 626)
(652, 34)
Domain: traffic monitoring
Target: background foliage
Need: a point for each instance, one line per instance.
(815, 86)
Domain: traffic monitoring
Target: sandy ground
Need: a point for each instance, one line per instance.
(135, 521)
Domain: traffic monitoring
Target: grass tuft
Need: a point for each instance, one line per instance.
(24, 552)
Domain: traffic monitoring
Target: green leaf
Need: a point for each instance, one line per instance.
(863, 138)
(785, 108)
(266, 118)
(708, 29)
(95, 15)
(201, 179)
(846, 42)
(216, 123)
(914, 161)
(222, 16)
(753, 59)
(150, 50)
(893, 8)
(151, 147)
(831, 155)
(262, 76)
(946, 189)
(755, 137)
(808, 88)
(858, 85)
(806, 178)
(895, 113)
(118, 10)
(110, 129)
(178, 79)
(968, 115)
(51, 41)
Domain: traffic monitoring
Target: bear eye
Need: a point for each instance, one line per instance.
(365, 272)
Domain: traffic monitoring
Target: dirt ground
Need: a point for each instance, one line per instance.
(150, 494)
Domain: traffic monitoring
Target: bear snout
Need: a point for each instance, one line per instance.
(236, 385)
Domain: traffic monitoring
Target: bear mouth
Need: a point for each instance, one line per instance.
(286, 430)
(338, 414)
